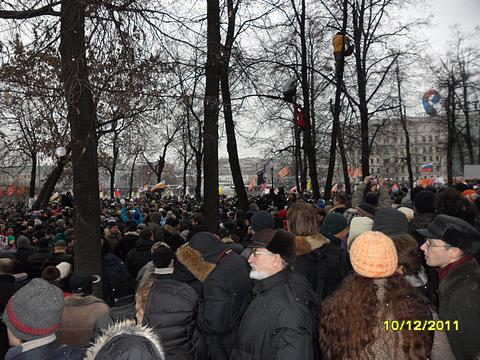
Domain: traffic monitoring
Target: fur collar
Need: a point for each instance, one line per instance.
(306, 244)
(194, 262)
(126, 327)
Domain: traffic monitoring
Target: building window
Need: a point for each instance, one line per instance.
(424, 158)
(424, 139)
(430, 138)
(437, 158)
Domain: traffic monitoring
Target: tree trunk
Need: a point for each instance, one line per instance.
(49, 185)
(310, 150)
(232, 143)
(210, 134)
(82, 119)
(227, 112)
(343, 156)
(339, 66)
(403, 121)
(466, 112)
(130, 188)
(450, 104)
(360, 63)
(33, 176)
(113, 170)
(198, 183)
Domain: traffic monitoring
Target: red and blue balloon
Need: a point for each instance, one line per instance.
(430, 100)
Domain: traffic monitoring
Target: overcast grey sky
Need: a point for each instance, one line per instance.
(447, 13)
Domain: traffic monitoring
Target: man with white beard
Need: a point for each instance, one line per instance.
(280, 321)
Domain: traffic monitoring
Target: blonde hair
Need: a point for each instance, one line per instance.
(304, 219)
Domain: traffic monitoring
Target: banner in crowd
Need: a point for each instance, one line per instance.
(283, 172)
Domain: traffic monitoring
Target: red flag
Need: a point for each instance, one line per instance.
(11, 190)
(299, 116)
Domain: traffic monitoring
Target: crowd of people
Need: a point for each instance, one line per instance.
(381, 274)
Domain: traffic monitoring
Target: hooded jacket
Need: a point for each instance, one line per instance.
(226, 290)
(124, 341)
(171, 311)
(280, 321)
(154, 226)
(320, 262)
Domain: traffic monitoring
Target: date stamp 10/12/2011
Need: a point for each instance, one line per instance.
(421, 325)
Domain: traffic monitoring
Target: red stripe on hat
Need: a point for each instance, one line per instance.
(25, 328)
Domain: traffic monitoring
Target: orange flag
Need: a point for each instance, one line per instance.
(284, 172)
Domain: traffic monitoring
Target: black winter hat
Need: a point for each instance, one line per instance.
(391, 222)
(281, 243)
(423, 202)
(455, 232)
(262, 220)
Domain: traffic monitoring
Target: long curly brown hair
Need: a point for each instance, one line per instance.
(352, 318)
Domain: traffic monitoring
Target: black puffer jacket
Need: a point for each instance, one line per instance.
(139, 256)
(226, 290)
(126, 244)
(36, 261)
(320, 263)
(280, 321)
(171, 311)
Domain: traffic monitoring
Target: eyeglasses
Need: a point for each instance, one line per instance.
(255, 252)
(429, 244)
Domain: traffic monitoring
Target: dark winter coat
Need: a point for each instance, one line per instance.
(155, 227)
(8, 288)
(50, 351)
(171, 311)
(172, 237)
(320, 262)
(125, 244)
(459, 298)
(280, 321)
(126, 341)
(226, 290)
(139, 256)
(116, 279)
(24, 249)
(57, 258)
(36, 262)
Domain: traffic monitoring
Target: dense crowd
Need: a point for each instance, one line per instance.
(383, 274)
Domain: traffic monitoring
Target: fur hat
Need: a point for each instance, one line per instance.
(278, 242)
(34, 311)
(373, 255)
(391, 222)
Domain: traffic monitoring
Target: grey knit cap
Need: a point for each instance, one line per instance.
(34, 311)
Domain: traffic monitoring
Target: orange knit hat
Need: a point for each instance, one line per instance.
(373, 255)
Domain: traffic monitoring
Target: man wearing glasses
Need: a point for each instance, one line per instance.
(451, 246)
(279, 323)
